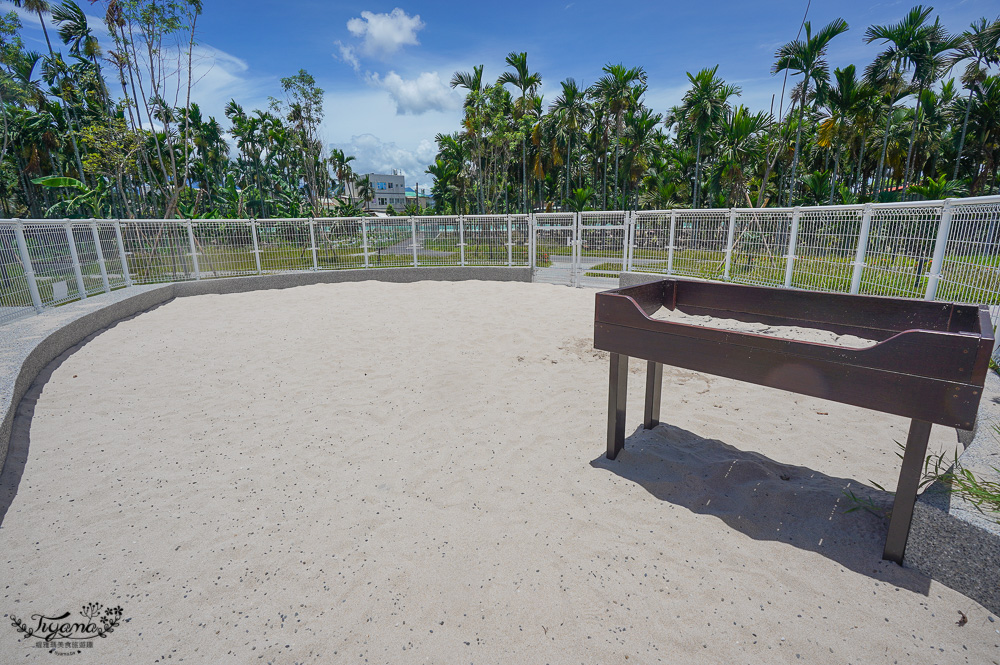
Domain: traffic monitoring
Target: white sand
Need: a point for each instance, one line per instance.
(402, 473)
(787, 332)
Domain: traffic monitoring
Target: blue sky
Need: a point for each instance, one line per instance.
(385, 67)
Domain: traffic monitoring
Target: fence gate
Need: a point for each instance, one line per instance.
(604, 247)
(556, 244)
(580, 249)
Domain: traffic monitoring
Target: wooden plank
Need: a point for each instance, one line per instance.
(947, 356)
(943, 402)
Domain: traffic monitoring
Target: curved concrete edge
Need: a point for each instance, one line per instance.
(32, 343)
(951, 540)
(399, 275)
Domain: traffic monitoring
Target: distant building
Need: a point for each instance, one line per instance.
(390, 190)
(425, 201)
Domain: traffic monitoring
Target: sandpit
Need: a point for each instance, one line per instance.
(399, 473)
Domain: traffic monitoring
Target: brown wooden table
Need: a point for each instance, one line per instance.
(929, 363)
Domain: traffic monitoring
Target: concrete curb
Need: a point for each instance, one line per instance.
(29, 344)
(951, 540)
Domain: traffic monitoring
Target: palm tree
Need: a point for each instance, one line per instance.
(913, 44)
(364, 190)
(930, 62)
(978, 44)
(844, 100)
(738, 137)
(806, 58)
(703, 106)
(527, 82)
(573, 112)
(620, 90)
(42, 7)
(341, 164)
(473, 83)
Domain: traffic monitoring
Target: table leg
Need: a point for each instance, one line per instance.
(654, 382)
(617, 396)
(906, 490)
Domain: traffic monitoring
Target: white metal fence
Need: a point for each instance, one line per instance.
(946, 250)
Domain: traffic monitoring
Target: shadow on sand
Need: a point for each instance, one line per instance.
(20, 433)
(763, 499)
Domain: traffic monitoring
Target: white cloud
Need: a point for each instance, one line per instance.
(425, 93)
(347, 55)
(384, 34)
(373, 155)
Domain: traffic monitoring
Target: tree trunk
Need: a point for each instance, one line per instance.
(881, 162)
(965, 126)
(697, 173)
(913, 138)
(798, 138)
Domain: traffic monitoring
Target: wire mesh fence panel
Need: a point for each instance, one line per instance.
(520, 238)
(339, 243)
(157, 251)
(86, 252)
(760, 246)
(390, 242)
(224, 247)
(112, 256)
(700, 243)
(554, 255)
(551, 244)
(52, 261)
(651, 242)
(15, 297)
(438, 241)
(284, 245)
(900, 247)
(602, 252)
(825, 248)
(602, 218)
(970, 271)
(486, 240)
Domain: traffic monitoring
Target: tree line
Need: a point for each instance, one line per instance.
(70, 149)
(921, 121)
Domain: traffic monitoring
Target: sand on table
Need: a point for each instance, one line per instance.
(394, 473)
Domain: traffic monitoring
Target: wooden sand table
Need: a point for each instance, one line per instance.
(929, 363)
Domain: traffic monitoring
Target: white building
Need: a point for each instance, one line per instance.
(390, 190)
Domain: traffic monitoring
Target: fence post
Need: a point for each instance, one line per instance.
(121, 253)
(532, 239)
(256, 247)
(312, 243)
(29, 272)
(859, 256)
(364, 240)
(100, 255)
(937, 262)
(670, 247)
(413, 236)
(461, 240)
(76, 258)
(577, 254)
(194, 250)
(729, 241)
(792, 241)
(627, 241)
(510, 243)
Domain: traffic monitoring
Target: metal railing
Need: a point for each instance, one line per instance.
(946, 250)
(46, 263)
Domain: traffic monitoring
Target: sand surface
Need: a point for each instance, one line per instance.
(786, 332)
(403, 473)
